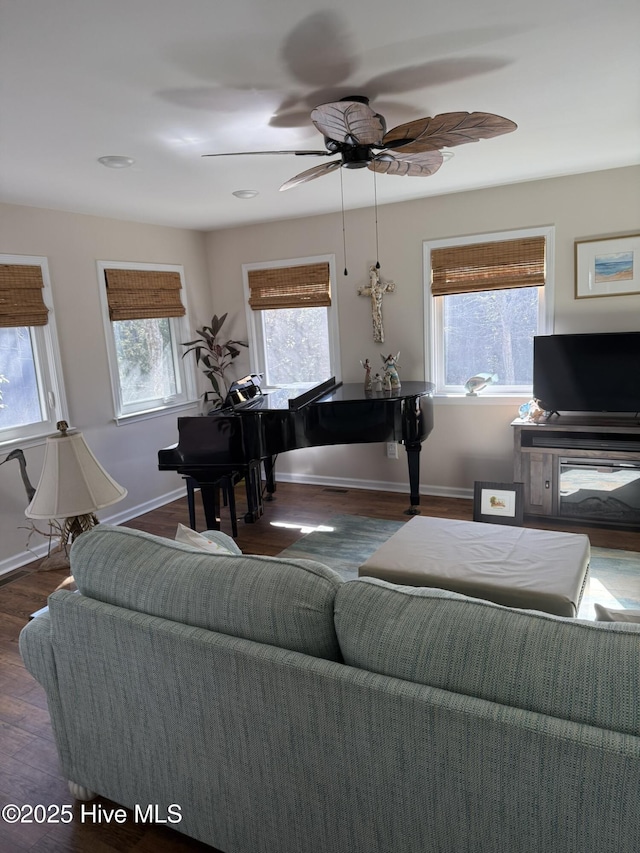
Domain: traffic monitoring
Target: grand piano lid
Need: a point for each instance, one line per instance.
(316, 392)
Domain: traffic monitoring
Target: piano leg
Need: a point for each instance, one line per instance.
(191, 502)
(211, 504)
(413, 461)
(253, 485)
(270, 479)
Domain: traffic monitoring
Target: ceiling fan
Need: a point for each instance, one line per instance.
(358, 134)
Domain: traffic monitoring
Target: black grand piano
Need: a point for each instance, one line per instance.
(254, 427)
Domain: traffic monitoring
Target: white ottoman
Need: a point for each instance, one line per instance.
(514, 566)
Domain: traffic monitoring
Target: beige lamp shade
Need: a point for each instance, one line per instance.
(72, 483)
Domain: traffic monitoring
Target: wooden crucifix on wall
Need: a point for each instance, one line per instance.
(376, 290)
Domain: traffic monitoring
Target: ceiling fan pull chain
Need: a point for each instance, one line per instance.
(344, 237)
(375, 203)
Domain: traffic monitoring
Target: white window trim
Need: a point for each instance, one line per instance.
(48, 367)
(433, 324)
(254, 318)
(185, 369)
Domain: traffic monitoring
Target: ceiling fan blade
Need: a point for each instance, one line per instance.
(423, 164)
(349, 121)
(417, 147)
(446, 130)
(311, 174)
(246, 153)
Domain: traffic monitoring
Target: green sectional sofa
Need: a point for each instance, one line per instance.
(268, 706)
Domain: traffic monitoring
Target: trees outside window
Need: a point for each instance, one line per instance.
(145, 354)
(490, 332)
(296, 346)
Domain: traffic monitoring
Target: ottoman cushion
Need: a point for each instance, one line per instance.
(514, 566)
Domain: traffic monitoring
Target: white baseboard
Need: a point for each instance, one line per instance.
(374, 485)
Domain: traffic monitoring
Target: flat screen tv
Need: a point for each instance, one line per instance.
(587, 372)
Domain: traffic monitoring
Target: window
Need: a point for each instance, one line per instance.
(31, 390)
(145, 323)
(486, 299)
(292, 321)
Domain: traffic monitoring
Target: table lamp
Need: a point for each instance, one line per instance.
(73, 486)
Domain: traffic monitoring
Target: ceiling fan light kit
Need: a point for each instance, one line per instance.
(116, 161)
(245, 193)
(358, 134)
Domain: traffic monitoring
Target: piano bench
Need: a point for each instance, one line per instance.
(513, 566)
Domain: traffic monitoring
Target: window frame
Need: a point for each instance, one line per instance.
(255, 326)
(187, 397)
(433, 313)
(48, 367)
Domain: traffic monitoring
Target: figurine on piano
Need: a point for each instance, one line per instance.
(391, 366)
(367, 374)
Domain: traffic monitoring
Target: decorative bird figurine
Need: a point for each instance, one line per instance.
(19, 455)
(478, 382)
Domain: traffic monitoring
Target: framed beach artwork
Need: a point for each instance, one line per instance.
(498, 503)
(608, 267)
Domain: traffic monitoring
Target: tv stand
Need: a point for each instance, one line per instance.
(580, 468)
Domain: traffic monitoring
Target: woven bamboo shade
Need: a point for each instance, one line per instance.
(141, 294)
(21, 302)
(304, 286)
(488, 266)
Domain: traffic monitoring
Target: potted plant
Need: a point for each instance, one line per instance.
(214, 357)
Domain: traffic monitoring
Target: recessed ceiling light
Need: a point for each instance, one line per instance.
(245, 193)
(115, 161)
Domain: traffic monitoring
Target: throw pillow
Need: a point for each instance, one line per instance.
(606, 614)
(215, 542)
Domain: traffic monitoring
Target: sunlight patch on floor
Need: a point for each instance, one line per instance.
(597, 592)
(303, 527)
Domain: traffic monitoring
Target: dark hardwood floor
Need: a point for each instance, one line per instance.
(29, 772)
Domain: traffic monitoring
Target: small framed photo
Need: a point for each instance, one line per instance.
(608, 267)
(498, 503)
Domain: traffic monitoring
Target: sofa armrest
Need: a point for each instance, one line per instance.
(37, 651)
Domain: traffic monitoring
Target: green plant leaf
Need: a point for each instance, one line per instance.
(213, 357)
(217, 323)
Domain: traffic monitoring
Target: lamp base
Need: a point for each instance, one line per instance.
(75, 525)
(69, 532)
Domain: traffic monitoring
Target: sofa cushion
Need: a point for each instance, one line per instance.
(285, 603)
(587, 672)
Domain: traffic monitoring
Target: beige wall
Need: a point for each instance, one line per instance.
(471, 440)
(72, 243)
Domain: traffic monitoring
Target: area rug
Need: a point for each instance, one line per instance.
(344, 542)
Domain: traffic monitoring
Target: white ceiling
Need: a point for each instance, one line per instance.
(165, 81)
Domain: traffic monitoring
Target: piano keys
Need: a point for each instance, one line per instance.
(255, 427)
